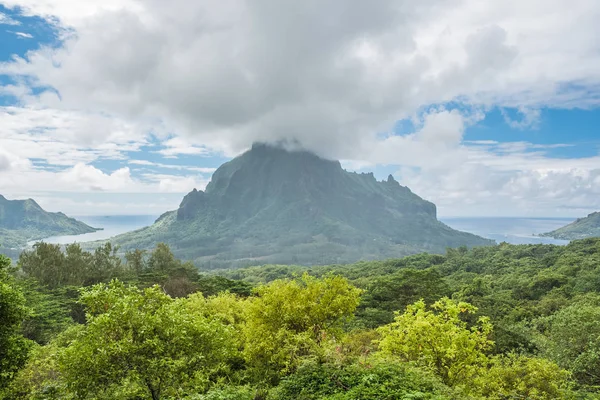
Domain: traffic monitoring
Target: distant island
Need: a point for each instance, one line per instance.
(22, 221)
(582, 228)
(272, 205)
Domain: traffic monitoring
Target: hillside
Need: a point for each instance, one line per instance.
(582, 228)
(24, 220)
(273, 205)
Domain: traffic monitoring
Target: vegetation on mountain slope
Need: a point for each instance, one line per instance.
(582, 228)
(270, 205)
(22, 221)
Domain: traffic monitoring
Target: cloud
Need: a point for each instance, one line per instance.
(309, 73)
(176, 183)
(331, 76)
(5, 163)
(203, 170)
(174, 147)
(7, 20)
(66, 137)
(87, 177)
(23, 35)
(530, 118)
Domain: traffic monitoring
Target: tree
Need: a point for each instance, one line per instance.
(13, 346)
(438, 340)
(389, 293)
(143, 339)
(520, 377)
(162, 260)
(136, 260)
(288, 320)
(105, 265)
(573, 340)
(45, 262)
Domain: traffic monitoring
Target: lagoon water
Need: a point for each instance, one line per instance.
(510, 230)
(113, 225)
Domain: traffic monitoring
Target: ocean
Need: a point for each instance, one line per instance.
(510, 230)
(113, 225)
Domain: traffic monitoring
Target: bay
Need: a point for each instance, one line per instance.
(513, 230)
(112, 225)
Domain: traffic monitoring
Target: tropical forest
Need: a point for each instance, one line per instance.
(496, 322)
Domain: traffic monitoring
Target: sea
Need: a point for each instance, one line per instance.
(112, 225)
(510, 229)
(514, 230)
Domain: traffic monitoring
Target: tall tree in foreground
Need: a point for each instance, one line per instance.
(13, 346)
(143, 340)
(439, 340)
(288, 320)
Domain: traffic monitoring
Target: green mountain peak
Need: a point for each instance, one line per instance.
(24, 220)
(271, 204)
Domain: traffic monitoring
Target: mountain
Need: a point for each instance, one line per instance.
(270, 205)
(24, 220)
(582, 228)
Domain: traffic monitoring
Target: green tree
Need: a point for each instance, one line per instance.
(13, 346)
(572, 338)
(389, 293)
(46, 263)
(288, 320)
(372, 381)
(105, 265)
(521, 377)
(162, 260)
(77, 264)
(438, 339)
(49, 311)
(136, 260)
(143, 339)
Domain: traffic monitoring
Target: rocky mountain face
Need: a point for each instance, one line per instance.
(24, 220)
(270, 205)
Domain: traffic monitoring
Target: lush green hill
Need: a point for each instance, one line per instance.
(24, 220)
(272, 205)
(582, 228)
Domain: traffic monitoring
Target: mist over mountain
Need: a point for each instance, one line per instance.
(24, 220)
(272, 205)
(582, 228)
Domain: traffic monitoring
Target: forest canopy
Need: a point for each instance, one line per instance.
(502, 322)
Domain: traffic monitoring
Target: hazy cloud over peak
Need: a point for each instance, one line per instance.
(195, 78)
(321, 73)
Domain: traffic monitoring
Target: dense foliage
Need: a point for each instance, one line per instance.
(503, 322)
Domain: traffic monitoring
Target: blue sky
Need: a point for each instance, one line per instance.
(122, 107)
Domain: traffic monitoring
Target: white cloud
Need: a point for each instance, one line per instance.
(23, 35)
(331, 76)
(7, 20)
(179, 146)
(88, 177)
(309, 73)
(202, 170)
(176, 183)
(530, 118)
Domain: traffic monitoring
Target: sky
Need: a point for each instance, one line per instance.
(486, 108)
